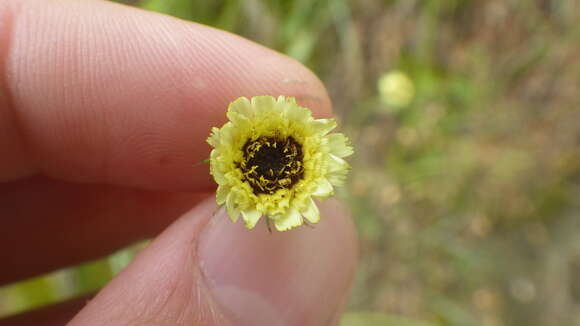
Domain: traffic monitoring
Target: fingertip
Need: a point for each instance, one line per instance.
(110, 94)
(219, 273)
(162, 285)
(296, 277)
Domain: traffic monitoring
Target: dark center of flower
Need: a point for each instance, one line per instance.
(271, 163)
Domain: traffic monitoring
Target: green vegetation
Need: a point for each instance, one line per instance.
(466, 180)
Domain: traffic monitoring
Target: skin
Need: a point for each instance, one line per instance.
(104, 109)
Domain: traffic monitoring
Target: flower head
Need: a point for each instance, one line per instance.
(272, 158)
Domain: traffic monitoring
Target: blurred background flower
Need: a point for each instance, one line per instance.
(396, 89)
(466, 182)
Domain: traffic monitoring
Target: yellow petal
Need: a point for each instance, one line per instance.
(323, 126)
(214, 137)
(311, 212)
(264, 104)
(323, 189)
(232, 208)
(337, 178)
(237, 118)
(288, 100)
(222, 194)
(291, 219)
(336, 164)
(241, 106)
(228, 134)
(297, 114)
(217, 173)
(337, 169)
(338, 144)
(218, 176)
(251, 217)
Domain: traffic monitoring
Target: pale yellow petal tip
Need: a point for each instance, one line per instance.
(272, 158)
(286, 228)
(233, 214)
(324, 189)
(251, 217)
(287, 99)
(311, 212)
(213, 138)
(288, 221)
(221, 195)
(339, 145)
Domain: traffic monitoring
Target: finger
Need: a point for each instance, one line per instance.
(111, 127)
(58, 314)
(219, 273)
(51, 224)
(104, 93)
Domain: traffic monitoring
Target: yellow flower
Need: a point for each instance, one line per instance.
(272, 159)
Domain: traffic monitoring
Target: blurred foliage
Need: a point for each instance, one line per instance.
(466, 192)
(60, 285)
(64, 284)
(378, 319)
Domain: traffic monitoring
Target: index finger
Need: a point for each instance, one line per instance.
(103, 93)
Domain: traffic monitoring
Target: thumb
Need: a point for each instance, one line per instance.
(206, 270)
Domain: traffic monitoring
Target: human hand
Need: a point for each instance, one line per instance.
(103, 111)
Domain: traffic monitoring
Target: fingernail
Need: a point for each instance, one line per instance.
(297, 277)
